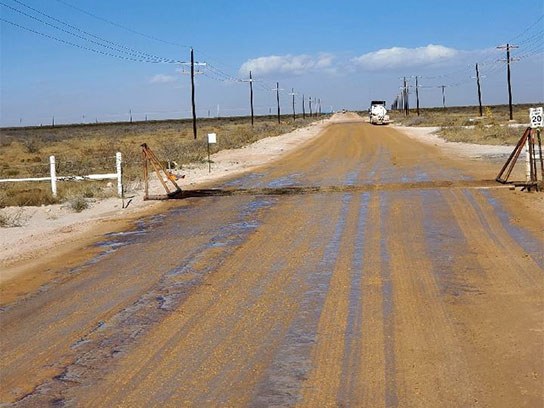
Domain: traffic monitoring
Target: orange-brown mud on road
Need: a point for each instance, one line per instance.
(422, 296)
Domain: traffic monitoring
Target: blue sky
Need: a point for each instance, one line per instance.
(345, 53)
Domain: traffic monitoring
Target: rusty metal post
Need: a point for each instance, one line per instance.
(509, 165)
(150, 157)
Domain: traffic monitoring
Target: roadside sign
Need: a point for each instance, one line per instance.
(212, 138)
(536, 116)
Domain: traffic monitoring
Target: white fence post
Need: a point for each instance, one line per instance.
(118, 163)
(53, 175)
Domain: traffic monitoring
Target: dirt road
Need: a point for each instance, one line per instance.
(386, 275)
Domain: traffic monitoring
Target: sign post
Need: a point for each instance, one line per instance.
(536, 120)
(212, 139)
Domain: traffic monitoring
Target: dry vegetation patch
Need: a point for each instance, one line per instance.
(463, 124)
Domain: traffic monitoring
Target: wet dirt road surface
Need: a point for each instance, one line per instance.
(384, 276)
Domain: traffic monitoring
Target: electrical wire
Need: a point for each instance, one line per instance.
(51, 37)
(150, 37)
(527, 29)
(142, 57)
(132, 51)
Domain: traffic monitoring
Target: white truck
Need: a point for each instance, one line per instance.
(378, 113)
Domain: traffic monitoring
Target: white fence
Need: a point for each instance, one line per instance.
(53, 178)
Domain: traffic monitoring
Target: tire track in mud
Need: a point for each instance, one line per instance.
(511, 283)
(323, 382)
(351, 364)
(283, 380)
(430, 366)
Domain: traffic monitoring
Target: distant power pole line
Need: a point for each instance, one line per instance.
(293, 94)
(508, 60)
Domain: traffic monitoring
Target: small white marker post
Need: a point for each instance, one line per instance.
(119, 168)
(212, 139)
(53, 172)
(536, 120)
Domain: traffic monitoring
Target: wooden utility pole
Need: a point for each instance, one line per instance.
(303, 108)
(251, 96)
(293, 95)
(310, 104)
(405, 91)
(508, 60)
(192, 72)
(193, 105)
(479, 89)
(417, 97)
(443, 95)
(319, 107)
(278, 100)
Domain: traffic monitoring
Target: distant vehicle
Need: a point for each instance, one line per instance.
(378, 113)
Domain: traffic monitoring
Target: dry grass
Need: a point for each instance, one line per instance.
(483, 134)
(88, 149)
(463, 116)
(463, 124)
(12, 220)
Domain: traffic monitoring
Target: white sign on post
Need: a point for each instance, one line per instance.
(536, 116)
(212, 138)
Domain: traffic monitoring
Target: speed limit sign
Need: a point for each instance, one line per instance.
(537, 117)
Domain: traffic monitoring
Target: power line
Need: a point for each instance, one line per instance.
(527, 29)
(82, 31)
(121, 26)
(51, 37)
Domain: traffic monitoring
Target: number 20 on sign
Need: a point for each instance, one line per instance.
(537, 117)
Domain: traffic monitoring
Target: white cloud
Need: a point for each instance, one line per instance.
(286, 64)
(162, 79)
(397, 57)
